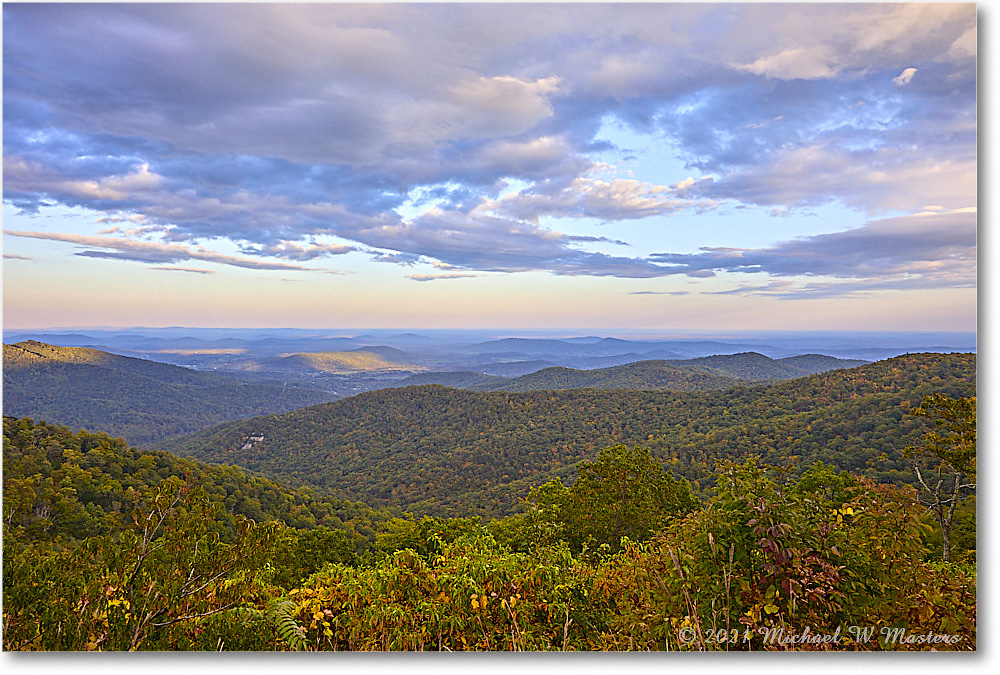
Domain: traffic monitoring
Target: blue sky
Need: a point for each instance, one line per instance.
(698, 166)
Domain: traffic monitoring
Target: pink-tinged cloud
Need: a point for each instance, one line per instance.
(435, 277)
(151, 252)
(193, 270)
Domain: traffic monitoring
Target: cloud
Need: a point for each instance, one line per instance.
(806, 63)
(12, 256)
(588, 197)
(826, 41)
(931, 251)
(150, 252)
(434, 277)
(280, 127)
(871, 180)
(660, 293)
(904, 77)
(293, 251)
(28, 176)
(193, 270)
(490, 243)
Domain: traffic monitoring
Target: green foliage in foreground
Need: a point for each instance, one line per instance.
(769, 562)
(763, 566)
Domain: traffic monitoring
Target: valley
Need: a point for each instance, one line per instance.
(443, 451)
(331, 475)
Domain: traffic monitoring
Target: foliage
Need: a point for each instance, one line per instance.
(624, 493)
(954, 439)
(110, 548)
(953, 448)
(60, 485)
(701, 374)
(768, 563)
(144, 588)
(144, 401)
(446, 452)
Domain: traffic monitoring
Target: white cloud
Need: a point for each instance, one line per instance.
(806, 63)
(502, 105)
(904, 77)
(588, 197)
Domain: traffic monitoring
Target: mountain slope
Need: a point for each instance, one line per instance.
(143, 401)
(345, 362)
(446, 451)
(757, 367)
(460, 379)
(701, 374)
(638, 375)
(81, 483)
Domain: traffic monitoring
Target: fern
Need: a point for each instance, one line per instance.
(279, 614)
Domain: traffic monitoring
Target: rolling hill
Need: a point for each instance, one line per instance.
(143, 401)
(701, 374)
(358, 360)
(445, 451)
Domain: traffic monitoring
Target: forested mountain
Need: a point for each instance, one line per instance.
(757, 367)
(144, 401)
(461, 379)
(60, 484)
(375, 358)
(701, 374)
(638, 375)
(446, 451)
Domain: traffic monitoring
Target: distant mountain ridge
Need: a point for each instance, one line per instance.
(701, 374)
(143, 401)
(31, 352)
(356, 360)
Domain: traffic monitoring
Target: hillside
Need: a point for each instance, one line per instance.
(359, 360)
(462, 379)
(31, 354)
(143, 401)
(446, 451)
(701, 374)
(757, 367)
(638, 375)
(81, 481)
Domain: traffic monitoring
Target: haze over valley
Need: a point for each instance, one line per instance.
(342, 363)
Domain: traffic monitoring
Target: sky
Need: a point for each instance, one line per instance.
(540, 166)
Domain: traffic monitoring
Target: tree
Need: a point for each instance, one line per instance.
(952, 444)
(624, 493)
(146, 587)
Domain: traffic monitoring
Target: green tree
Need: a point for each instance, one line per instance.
(624, 493)
(952, 446)
(147, 587)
